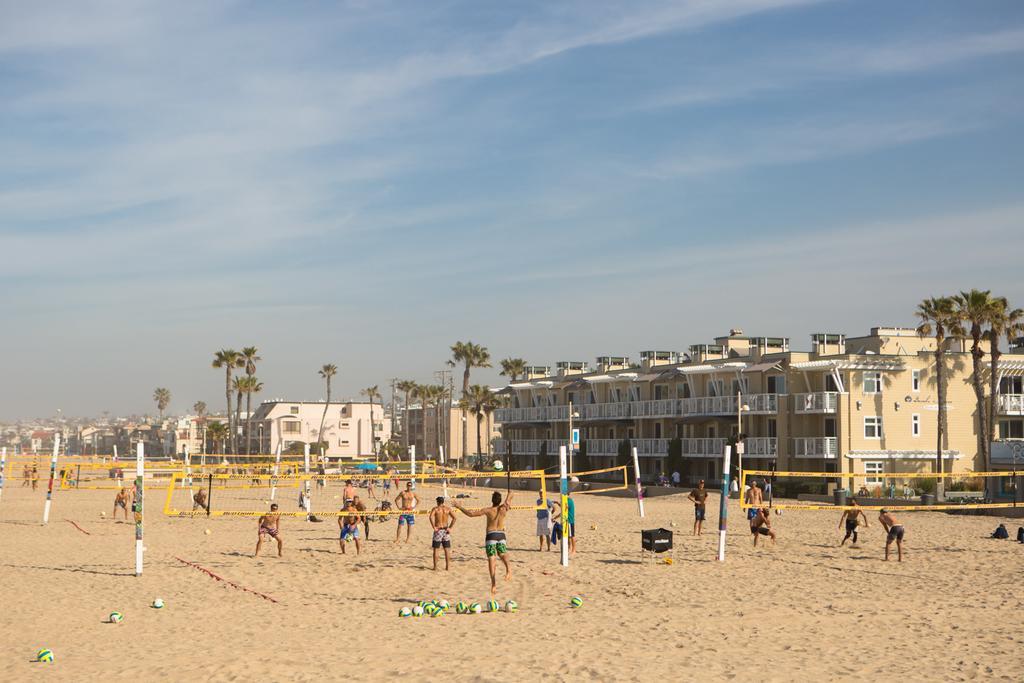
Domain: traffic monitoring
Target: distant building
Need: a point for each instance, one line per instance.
(347, 428)
(424, 428)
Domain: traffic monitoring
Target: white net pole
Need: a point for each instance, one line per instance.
(563, 474)
(723, 509)
(305, 484)
(140, 473)
(53, 472)
(3, 469)
(277, 471)
(639, 488)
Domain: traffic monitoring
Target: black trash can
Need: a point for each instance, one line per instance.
(656, 540)
(839, 497)
(927, 499)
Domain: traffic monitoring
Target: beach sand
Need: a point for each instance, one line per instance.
(803, 610)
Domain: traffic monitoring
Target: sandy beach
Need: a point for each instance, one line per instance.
(802, 610)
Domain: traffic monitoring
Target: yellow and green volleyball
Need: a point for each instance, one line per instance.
(423, 603)
(431, 609)
(438, 612)
(116, 617)
(417, 611)
(443, 604)
(461, 607)
(44, 655)
(475, 608)
(511, 606)
(405, 612)
(576, 601)
(493, 606)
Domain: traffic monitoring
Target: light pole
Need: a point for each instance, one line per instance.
(1015, 450)
(572, 446)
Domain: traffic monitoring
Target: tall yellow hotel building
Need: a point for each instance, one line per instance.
(864, 405)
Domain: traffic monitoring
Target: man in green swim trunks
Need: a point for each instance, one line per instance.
(495, 540)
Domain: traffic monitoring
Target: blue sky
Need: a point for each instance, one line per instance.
(366, 182)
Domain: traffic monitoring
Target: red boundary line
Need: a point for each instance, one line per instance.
(78, 527)
(228, 582)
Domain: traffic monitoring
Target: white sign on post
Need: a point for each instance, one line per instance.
(575, 437)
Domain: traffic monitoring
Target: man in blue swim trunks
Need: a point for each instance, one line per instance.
(349, 526)
(406, 501)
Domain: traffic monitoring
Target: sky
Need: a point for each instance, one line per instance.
(365, 183)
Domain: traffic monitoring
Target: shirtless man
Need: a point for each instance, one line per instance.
(366, 518)
(123, 500)
(349, 526)
(894, 532)
(699, 497)
(26, 476)
(753, 497)
(442, 520)
(270, 525)
(406, 501)
(35, 477)
(761, 525)
(851, 518)
(349, 492)
(494, 540)
(199, 501)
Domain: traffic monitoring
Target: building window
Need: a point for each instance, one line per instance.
(294, 410)
(1011, 385)
(611, 433)
(776, 384)
(872, 426)
(830, 383)
(872, 382)
(344, 425)
(342, 442)
(915, 425)
(874, 468)
(773, 427)
(915, 380)
(657, 430)
(291, 427)
(659, 392)
(1011, 429)
(629, 433)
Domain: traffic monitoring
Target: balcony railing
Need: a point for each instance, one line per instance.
(816, 447)
(761, 446)
(703, 448)
(534, 414)
(663, 407)
(757, 404)
(604, 411)
(525, 446)
(819, 402)
(1011, 404)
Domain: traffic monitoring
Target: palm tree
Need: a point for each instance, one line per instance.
(163, 399)
(249, 385)
(327, 372)
(471, 356)
(406, 386)
(217, 431)
(513, 368)
(1002, 322)
(494, 402)
(937, 316)
(474, 402)
(250, 355)
(974, 310)
(229, 359)
(199, 408)
(372, 393)
(238, 384)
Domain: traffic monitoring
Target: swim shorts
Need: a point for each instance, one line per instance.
(442, 539)
(494, 543)
(268, 531)
(406, 519)
(699, 512)
(349, 532)
(751, 513)
(764, 531)
(895, 533)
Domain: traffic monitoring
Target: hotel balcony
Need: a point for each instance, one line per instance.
(816, 447)
(604, 411)
(1011, 404)
(758, 404)
(525, 446)
(817, 403)
(703, 448)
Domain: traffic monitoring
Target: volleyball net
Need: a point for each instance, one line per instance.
(602, 480)
(111, 476)
(323, 495)
(880, 490)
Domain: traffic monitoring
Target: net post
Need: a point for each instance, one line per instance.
(140, 473)
(53, 472)
(209, 495)
(563, 479)
(305, 484)
(188, 471)
(412, 465)
(277, 471)
(3, 469)
(444, 482)
(78, 476)
(723, 507)
(639, 488)
(115, 452)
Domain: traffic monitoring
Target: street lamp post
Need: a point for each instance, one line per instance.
(740, 408)
(572, 446)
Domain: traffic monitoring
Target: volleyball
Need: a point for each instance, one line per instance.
(511, 606)
(438, 612)
(493, 606)
(423, 603)
(443, 604)
(417, 611)
(116, 617)
(207, 532)
(461, 607)
(475, 608)
(103, 514)
(44, 655)
(498, 466)
(405, 612)
(431, 609)
(576, 601)
(158, 604)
